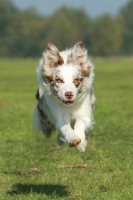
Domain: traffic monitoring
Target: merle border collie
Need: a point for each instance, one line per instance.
(65, 95)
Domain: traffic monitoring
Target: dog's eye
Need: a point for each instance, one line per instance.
(77, 81)
(58, 80)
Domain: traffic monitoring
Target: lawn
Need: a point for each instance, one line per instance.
(29, 162)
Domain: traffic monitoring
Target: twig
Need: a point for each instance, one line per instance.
(38, 168)
(72, 166)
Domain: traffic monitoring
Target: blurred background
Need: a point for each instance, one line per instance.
(105, 27)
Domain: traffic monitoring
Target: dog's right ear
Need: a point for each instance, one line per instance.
(52, 57)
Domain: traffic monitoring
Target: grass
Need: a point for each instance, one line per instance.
(109, 155)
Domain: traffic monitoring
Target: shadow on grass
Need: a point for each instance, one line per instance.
(47, 189)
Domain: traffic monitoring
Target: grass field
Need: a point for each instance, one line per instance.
(28, 161)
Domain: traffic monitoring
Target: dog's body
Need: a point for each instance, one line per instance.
(65, 96)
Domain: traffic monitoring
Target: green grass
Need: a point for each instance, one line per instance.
(109, 155)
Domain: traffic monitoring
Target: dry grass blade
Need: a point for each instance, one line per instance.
(38, 168)
(72, 166)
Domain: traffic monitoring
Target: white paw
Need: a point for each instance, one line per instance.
(82, 145)
(75, 140)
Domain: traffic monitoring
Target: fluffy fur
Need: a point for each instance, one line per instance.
(65, 96)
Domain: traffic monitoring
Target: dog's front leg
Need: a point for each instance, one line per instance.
(67, 133)
(81, 125)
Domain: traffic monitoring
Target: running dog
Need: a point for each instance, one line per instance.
(65, 95)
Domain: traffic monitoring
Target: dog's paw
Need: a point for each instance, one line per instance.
(82, 145)
(75, 142)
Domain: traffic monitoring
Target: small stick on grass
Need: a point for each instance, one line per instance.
(38, 168)
(72, 166)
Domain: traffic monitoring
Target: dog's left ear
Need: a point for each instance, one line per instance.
(79, 57)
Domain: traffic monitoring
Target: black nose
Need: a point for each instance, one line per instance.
(69, 95)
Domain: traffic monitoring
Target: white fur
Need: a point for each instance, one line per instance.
(73, 120)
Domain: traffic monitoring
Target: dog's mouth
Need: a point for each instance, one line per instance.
(68, 102)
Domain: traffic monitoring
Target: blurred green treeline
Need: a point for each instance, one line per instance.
(26, 33)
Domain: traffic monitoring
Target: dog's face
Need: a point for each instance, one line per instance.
(65, 72)
(67, 81)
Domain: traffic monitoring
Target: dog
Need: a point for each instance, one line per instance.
(65, 96)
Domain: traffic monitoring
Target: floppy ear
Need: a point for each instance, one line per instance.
(79, 57)
(52, 56)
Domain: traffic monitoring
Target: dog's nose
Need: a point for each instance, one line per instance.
(69, 95)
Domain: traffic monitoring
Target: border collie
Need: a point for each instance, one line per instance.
(65, 95)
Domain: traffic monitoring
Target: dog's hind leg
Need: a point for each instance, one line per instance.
(42, 122)
(60, 139)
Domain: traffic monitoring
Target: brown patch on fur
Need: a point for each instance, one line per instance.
(75, 142)
(48, 48)
(81, 45)
(85, 71)
(37, 95)
(60, 61)
(46, 125)
(49, 78)
(41, 112)
(52, 55)
(51, 60)
(43, 119)
(77, 82)
(79, 57)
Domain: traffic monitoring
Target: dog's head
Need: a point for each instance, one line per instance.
(66, 71)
